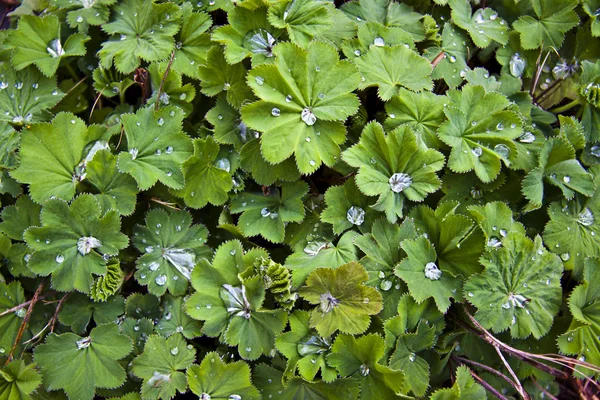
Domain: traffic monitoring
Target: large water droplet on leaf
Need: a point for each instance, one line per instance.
(400, 181)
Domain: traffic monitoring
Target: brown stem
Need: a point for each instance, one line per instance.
(34, 300)
(438, 59)
(162, 82)
(547, 393)
(488, 387)
(538, 72)
(519, 387)
(58, 307)
(485, 368)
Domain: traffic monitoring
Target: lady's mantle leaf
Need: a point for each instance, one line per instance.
(304, 96)
(424, 278)
(78, 310)
(519, 288)
(85, 12)
(173, 91)
(394, 166)
(554, 19)
(37, 41)
(215, 379)
(52, 154)
(391, 68)
(11, 295)
(303, 19)
(453, 66)
(359, 358)
(343, 302)
(232, 308)
(480, 131)
(171, 247)
(192, 42)
(141, 29)
(26, 95)
(464, 388)
(174, 319)
(375, 34)
(583, 337)
(160, 366)
(484, 25)
(20, 216)
(559, 167)
(347, 207)
(9, 146)
(79, 365)
(305, 349)
(207, 180)
(267, 215)
(18, 380)
(74, 242)
(217, 76)
(156, 147)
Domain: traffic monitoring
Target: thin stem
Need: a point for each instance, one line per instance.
(538, 72)
(566, 107)
(437, 59)
(520, 389)
(548, 91)
(58, 307)
(34, 300)
(547, 393)
(71, 71)
(96, 102)
(485, 368)
(162, 82)
(488, 387)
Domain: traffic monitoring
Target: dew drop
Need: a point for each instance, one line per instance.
(275, 112)
(60, 258)
(161, 280)
(355, 215)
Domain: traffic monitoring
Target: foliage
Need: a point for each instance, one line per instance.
(299, 199)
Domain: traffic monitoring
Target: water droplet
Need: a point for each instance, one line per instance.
(248, 349)
(175, 350)
(385, 285)
(357, 53)
(502, 150)
(308, 116)
(566, 178)
(527, 137)
(265, 212)
(259, 80)
(477, 151)
(355, 215)
(275, 112)
(161, 280)
(84, 343)
(312, 163)
(494, 242)
(565, 256)
(517, 65)
(60, 258)
(452, 59)
(161, 122)
(470, 294)
(432, 271)
(586, 218)
(379, 42)
(321, 96)
(289, 98)
(79, 19)
(224, 164)
(153, 266)
(400, 181)
(232, 252)
(364, 370)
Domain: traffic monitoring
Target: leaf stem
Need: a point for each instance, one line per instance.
(566, 107)
(488, 387)
(162, 82)
(484, 367)
(519, 387)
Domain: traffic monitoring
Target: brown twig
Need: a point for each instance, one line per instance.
(538, 72)
(437, 59)
(172, 206)
(162, 82)
(518, 386)
(34, 300)
(488, 387)
(547, 393)
(58, 307)
(484, 367)
(96, 102)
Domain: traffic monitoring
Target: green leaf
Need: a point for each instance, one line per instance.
(161, 365)
(20, 216)
(404, 358)
(85, 363)
(192, 42)
(110, 82)
(382, 254)
(217, 76)
(422, 112)
(390, 68)
(305, 95)
(394, 166)
(176, 320)
(116, 191)
(216, 379)
(496, 221)
(269, 381)
(343, 302)
(18, 380)
(318, 252)
(252, 161)
(72, 242)
(207, 179)
(37, 41)
(140, 29)
(453, 65)
(387, 13)
(232, 308)
(519, 288)
(347, 207)
(267, 215)
(173, 91)
(15, 256)
(171, 247)
(457, 241)
(360, 358)
(483, 25)
(51, 155)
(375, 34)
(11, 295)
(78, 310)
(559, 167)
(480, 131)
(82, 14)
(553, 19)
(156, 147)
(464, 388)
(303, 19)
(27, 95)
(305, 349)
(108, 284)
(249, 34)
(9, 145)
(583, 337)
(424, 278)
